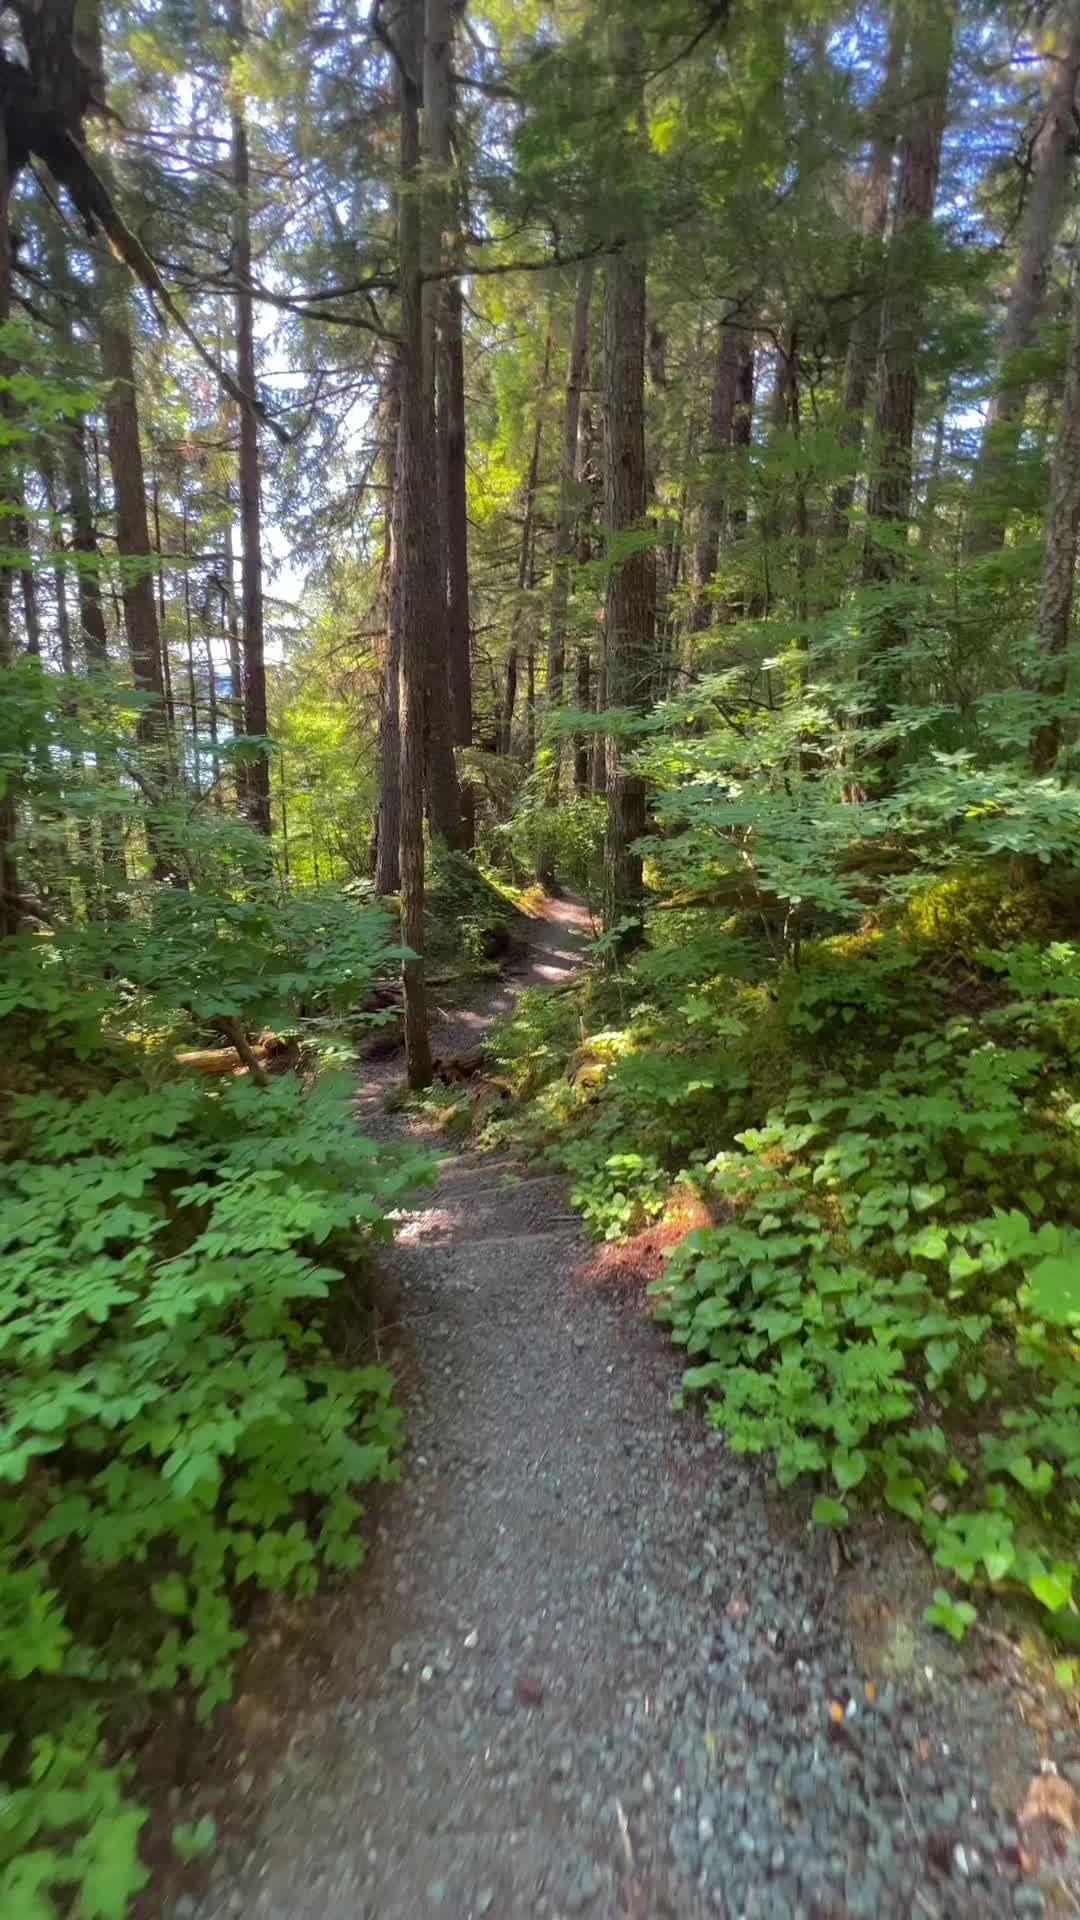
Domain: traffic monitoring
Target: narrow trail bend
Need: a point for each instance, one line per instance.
(590, 1668)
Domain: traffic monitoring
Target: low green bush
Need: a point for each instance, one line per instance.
(886, 1129)
(890, 1300)
(468, 918)
(176, 1431)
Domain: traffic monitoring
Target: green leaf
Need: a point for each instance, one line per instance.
(170, 1594)
(848, 1468)
(828, 1512)
(953, 1616)
(1054, 1289)
(114, 1872)
(1053, 1590)
(905, 1494)
(191, 1842)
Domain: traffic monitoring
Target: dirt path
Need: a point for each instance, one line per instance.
(591, 1668)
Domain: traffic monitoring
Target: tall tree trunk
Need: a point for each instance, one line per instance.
(414, 545)
(232, 628)
(20, 538)
(510, 697)
(59, 572)
(866, 326)
(1050, 161)
(742, 437)
(166, 671)
(1054, 624)
(723, 398)
(434, 34)
(189, 638)
(565, 532)
(526, 549)
(212, 716)
(904, 300)
(631, 591)
(933, 478)
(84, 876)
(256, 781)
(387, 846)
(457, 545)
(129, 490)
(451, 378)
(9, 878)
(582, 742)
(742, 432)
(85, 543)
(598, 750)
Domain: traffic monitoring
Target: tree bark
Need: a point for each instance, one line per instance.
(933, 478)
(9, 876)
(1054, 624)
(414, 543)
(1050, 161)
(889, 504)
(525, 551)
(129, 491)
(565, 536)
(582, 742)
(75, 468)
(459, 631)
(166, 670)
(84, 543)
(589, 747)
(866, 326)
(232, 624)
(742, 435)
(20, 536)
(723, 400)
(904, 300)
(434, 39)
(631, 592)
(388, 842)
(256, 779)
(454, 514)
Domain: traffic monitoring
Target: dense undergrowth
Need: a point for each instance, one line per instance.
(884, 1126)
(188, 1410)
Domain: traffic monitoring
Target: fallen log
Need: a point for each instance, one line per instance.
(270, 1054)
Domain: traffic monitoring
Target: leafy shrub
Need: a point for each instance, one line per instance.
(902, 1255)
(569, 837)
(889, 1134)
(467, 916)
(977, 906)
(175, 1430)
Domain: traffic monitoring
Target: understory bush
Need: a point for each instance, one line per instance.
(887, 1136)
(468, 917)
(177, 1431)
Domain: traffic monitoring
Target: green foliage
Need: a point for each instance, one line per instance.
(193, 1839)
(467, 914)
(900, 1252)
(889, 1301)
(175, 1428)
(569, 838)
(953, 1616)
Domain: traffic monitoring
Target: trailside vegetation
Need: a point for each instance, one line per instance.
(448, 449)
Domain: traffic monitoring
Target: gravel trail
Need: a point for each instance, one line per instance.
(593, 1665)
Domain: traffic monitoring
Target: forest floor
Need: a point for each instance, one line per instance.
(594, 1664)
